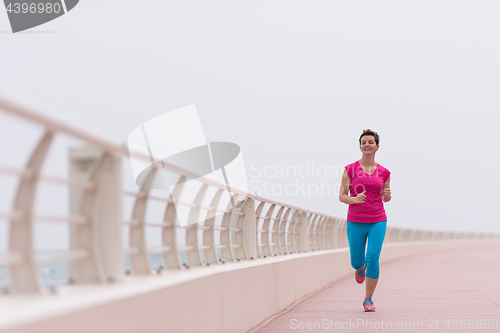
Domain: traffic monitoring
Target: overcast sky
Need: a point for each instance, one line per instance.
(293, 83)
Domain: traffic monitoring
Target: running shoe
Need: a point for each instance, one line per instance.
(360, 275)
(368, 304)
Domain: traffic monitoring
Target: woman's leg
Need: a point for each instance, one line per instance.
(356, 235)
(376, 236)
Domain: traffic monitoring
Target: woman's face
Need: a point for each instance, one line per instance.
(368, 145)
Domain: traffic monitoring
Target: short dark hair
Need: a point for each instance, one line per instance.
(369, 132)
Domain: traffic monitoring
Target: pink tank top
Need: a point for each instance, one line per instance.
(372, 210)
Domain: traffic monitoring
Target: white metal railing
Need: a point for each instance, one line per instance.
(255, 227)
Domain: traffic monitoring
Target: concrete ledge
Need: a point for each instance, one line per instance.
(233, 297)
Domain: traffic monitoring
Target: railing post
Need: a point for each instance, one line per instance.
(334, 238)
(168, 236)
(283, 238)
(139, 260)
(25, 277)
(342, 234)
(265, 236)
(102, 235)
(303, 231)
(400, 235)
(194, 256)
(209, 234)
(275, 239)
(249, 228)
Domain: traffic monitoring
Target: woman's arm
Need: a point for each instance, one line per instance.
(344, 191)
(386, 190)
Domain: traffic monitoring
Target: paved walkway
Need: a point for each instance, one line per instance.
(451, 291)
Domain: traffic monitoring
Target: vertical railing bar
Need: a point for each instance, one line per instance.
(266, 249)
(194, 257)
(140, 261)
(209, 234)
(275, 238)
(24, 275)
(172, 259)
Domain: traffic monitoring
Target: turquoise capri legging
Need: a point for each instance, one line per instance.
(357, 233)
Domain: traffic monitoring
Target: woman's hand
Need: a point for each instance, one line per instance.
(360, 198)
(386, 191)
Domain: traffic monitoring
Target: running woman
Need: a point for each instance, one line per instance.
(365, 187)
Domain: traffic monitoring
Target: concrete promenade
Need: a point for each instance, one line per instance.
(454, 290)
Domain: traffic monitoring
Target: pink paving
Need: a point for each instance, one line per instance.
(460, 288)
